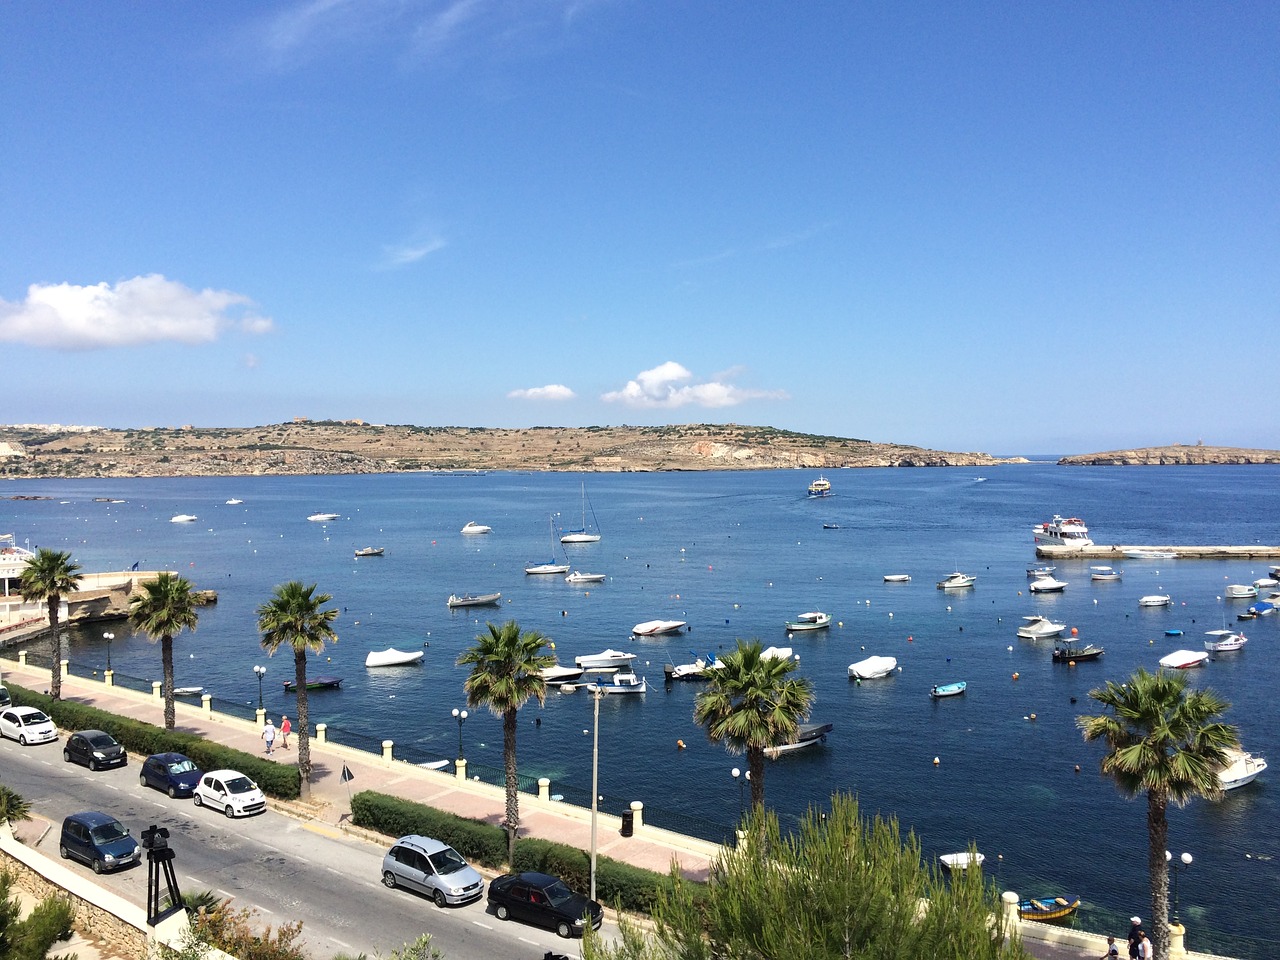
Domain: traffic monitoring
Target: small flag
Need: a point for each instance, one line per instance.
(347, 775)
(135, 565)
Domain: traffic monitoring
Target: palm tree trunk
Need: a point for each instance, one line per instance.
(166, 658)
(513, 795)
(755, 764)
(55, 649)
(1158, 866)
(304, 739)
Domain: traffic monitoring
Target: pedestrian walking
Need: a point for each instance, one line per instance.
(1145, 949)
(1113, 952)
(285, 727)
(1135, 936)
(269, 735)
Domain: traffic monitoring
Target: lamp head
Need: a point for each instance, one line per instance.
(1186, 859)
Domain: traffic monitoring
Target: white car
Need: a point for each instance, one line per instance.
(27, 725)
(229, 791)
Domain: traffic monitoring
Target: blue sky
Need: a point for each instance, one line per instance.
(1011, 227)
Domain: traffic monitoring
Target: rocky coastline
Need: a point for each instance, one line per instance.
(1176, 454)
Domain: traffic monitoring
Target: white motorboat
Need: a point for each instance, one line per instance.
(579, 577)
(776, 653)
(473, 527)
(473, 599)
(813, 620)
(962, 861)
(184, 518)
(1266, 583)
(233, 501)
(820, 487)
(605, 660)
(1047, 585)
(873, 668)
(1155, 600)
(371, 551)
(584, 534)
(807, 735)
(1068, 532)
(391, 657)
(1038, 628)
(1035, 573)
(1242, 768)
(1184, 659)
(1240, 591)
(621, 682)
(698, 670)
(957, 581)
(1105, 573)
(324, 517)
(1146, 554)
(1224, 640)
(187, 691)
(557, 674)
(653, 628)
(897, 578)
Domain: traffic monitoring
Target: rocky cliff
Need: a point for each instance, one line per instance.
(1176, 454)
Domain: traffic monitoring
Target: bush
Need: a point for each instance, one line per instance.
(479, 842)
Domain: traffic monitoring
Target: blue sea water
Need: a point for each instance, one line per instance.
(737, 554)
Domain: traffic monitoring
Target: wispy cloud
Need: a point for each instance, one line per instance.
(552, 391)
(665, 387)
(405, 254)
(796, 237)
(148, 309)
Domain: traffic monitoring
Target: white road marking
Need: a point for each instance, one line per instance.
(338, 872)
(527, 940)
(344, 946)
(483, 925)
(196, 880)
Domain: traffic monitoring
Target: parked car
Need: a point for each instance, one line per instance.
(431, 867)
(98, 839)
(26, 725)
(171, 772)
(229, 791)
(5, 699)
(542, 899)
(94, 749)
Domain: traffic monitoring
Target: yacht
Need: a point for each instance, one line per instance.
(184, 518)
(1068, 532)
(957, 581)
(473, 527)
(1037, 627)
(324, 517)
(605, 660)
(1242, 768)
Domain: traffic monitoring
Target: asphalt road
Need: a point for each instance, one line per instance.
(287, 869)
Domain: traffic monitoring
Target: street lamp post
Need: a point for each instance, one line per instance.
(596, 695)
(261, 672)
(108, 637)
(737, 778)
(459, 715)
(1175, 869)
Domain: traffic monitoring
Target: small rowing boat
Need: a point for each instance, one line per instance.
(1048, 909)
(315, 683)
(941, 690)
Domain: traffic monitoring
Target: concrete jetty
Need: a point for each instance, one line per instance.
(1100, 551)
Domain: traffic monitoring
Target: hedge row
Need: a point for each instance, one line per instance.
(143, 739)
(618, 884)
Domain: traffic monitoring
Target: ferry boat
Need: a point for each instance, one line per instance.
(1069, 532)
(820, 487)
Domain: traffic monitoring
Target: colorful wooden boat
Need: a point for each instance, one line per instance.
(1048, 909)
(315, 683)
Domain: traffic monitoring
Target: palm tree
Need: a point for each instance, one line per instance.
(47, 578)
(293, 618)
(162, 608)
(1165, 741)
(506, 667)
(751, 704)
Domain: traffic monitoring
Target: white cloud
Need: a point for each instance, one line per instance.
(664, 387)
(552, 391)
(406, 254)
(148, 309)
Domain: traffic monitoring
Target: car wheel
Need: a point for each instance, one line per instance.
(97, 866)
(195, 798)
(388, 879)
(173, 793)
(502, 912)
(22, 739)
(66, 756)
(142, 779)
(438, 897)
(93, 765)
(229, 812)
(62, 851)
(564, 930)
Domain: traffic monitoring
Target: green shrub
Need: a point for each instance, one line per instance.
(479, 842)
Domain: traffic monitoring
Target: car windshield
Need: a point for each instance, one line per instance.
(102, 741)
(34, 717)
(108, 832)
(240, 785)
(558, 893)
(182, 766)
(447, 860)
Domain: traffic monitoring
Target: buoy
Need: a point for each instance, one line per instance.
(1015, 675)
(1075, 632)
(1011, 648)
(1071, 663)
(679, 744)
(552, 644)
(936, 761)
(1077, 768)
(1033, 716)
(909, 640)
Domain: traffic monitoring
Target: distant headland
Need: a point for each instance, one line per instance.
(1195, 454)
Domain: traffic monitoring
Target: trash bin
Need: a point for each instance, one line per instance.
(628, 822)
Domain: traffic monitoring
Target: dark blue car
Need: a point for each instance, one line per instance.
(171, 772)
(99, 840)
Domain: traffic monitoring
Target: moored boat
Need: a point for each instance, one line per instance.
(391, 657)
(962, 861)
(1047, 585)
(605, 660)
(1075, 653)
(699, 669)
(1105, 573)
(473, 599)
(187, 691)
(1143, 553)
(1242, 768)
(233, 502)
(897, 578)
(315, 683)
(183, 518)
(579, 577)
(1069, 532)
(371, 551)
(1184, 659)
(624, 681)
(808, 735)
(957, 581)
(1240, 591)
(557, 674)
(471, 527)
(1036, 627)
(324, 517)
(820, 487)
(872, 668)
(1224, 640)
(814, 620)
(777, 653)
(1035, 573)
(1155, 600)
(1048, 909)
(653, 628)
(940, 690)
(584, 534)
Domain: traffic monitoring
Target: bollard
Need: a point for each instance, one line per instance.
(1177, 940)
(460, 768)
(387, 747)
(64, 667)
(1011, 918)
(322, 731)
(206, 701)
(22, 658)
(637, 814)
(109, 676)
(262, 716)
(544, 788)
(155, 689)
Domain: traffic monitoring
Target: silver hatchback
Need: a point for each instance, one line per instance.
(431, 867)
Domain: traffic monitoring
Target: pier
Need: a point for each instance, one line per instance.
(1099, 551)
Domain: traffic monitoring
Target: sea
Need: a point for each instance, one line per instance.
(736, 554)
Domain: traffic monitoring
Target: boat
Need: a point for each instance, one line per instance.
(474, 599)
(831, 526)
(940, 690)
(187, 691)
(1266, 583)
(1071, 653)
(775, 653)
(962, 861)
(807, 735)
(1035, 573)
(324, 517)
(1039, 628)
(872, 668)
(1240, 591)
(183, 518)
(1184, 659)
(1223, 640)
(371, 551)
(1242, 768)
(550, 566)
(1105, 573)
(697, 670)
(315, 683)
(957, 581)
(1155, 600)
(605, 660)
(233, 501)
(1262, 608)
(1145, 554)
(1048, 909)
(1173, 632)
(472, 527)
(1047, 585)
(624, 681)
(1068, 532)
(391, 657)
(581, 535)
(557, 674)
(654, 628)
(579, 577)
(820, 487)
(897, 578)
(813, 620)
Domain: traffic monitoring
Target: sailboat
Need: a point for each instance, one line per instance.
(553, 565)
(580, 535)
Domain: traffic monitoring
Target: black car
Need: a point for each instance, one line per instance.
(94, 749)
(171, 772)
(542, 899)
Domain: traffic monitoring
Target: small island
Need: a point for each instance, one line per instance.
(1194, 454)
